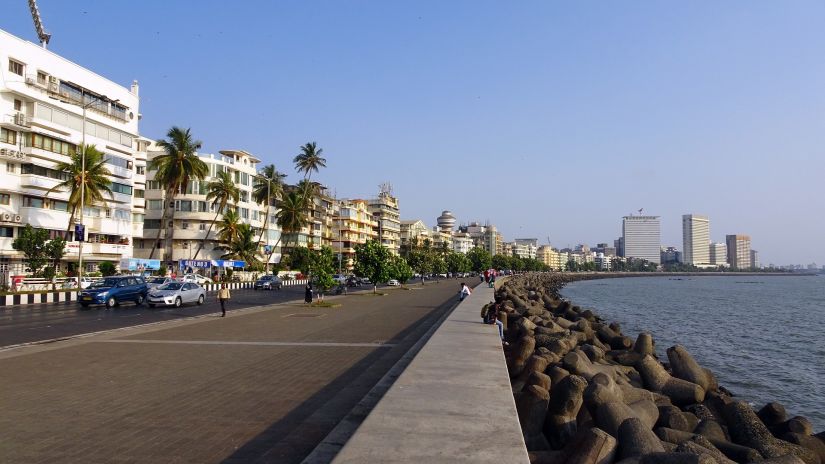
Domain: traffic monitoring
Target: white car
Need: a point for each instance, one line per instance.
(196, 278)
(176, 294)
(71, 282)
(153, 282)
(393, 283)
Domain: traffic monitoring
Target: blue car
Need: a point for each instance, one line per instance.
(111, 291)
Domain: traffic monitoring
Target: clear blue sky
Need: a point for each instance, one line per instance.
(546, 118)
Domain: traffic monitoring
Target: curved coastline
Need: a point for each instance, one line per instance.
(587, 393)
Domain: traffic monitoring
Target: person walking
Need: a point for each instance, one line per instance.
(223, 295)
(464, 292)
(308, 294)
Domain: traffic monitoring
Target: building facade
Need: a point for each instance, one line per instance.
(462, 243)
(42, 123)
(641, 237)
(385, 210)
(696, 240)
(739, 251)
(353, 225)
(718, 254)
(190, 218)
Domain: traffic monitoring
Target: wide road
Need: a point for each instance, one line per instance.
(36, 322)
(264, 384)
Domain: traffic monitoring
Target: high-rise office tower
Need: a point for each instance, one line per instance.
(739, 251)
(695, 239)
(641, 236)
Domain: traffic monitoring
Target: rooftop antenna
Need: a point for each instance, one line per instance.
(385, 189)
(38, 24)
(640, 211)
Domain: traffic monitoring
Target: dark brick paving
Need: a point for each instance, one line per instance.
(90, 401)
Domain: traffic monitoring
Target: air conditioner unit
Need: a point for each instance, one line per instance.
(21, 120)
(31, 80)
(55, 87)
(53, 80)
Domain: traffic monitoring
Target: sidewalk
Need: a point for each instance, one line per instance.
(265, 385)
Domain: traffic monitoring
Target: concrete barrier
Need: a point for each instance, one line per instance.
(452, 404)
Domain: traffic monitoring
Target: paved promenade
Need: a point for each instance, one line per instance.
(261, 385)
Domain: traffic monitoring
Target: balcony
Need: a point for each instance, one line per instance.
(119, 171)
(103, 250)
(45, 218)
(35, 181)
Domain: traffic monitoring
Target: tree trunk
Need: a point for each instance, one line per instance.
(203, 242)
(171, 239)
(71, 223)
(263, 230)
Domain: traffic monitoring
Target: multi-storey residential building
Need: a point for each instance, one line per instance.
(48, 106)
(384, 209)
(696, 240)
(525, 247)
(319, 229)
(462, 243)
(619, 245)
(550, 257)
(190, 216)
(718, 254)
(353, 225)
(484, 236)
(739, 251)
(755, 259)
(441, 239)
(641, 236)
(413, 233)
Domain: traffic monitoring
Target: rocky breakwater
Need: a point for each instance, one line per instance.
(588, 394)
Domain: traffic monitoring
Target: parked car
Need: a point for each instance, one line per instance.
(353, 281)
(112, 291)
(268, 282)
(339, 278)
(196, 278)
(154, 282)
(71, 282)
(176, 294)
(365, 281)
(393, 283)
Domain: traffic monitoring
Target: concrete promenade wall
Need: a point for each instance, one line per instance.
(452, 404)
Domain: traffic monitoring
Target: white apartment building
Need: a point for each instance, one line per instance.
(193, 214)
(352, 225)
(696, 240)
(525, 247)
(718, 254)
(462, 243)
(385, 211)
(42, 96)
(641, 236)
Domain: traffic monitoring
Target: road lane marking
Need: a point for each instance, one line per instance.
(226, 342)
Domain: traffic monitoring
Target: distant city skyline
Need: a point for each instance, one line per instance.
(545, 119)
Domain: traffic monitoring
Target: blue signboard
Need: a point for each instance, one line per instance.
(80, 232)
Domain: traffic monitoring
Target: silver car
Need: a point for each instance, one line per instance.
(175, 294)
(154, 282)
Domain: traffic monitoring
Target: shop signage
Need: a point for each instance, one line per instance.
(9, 153)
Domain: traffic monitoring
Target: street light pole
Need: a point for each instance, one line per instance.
(266, 221)
(82, 197)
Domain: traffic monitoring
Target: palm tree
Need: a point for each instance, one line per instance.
(309, 160)
(291, 215)
(96, 179)
(243, 247)
(230, 226)
(174, 169)
(268, 188)
(220, 191)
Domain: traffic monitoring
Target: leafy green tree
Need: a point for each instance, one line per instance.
(291, 215)
(220, 191)
(323, 267)
(401, 270)
(175, 168)
(244, 247)
(267, 189)
(438, 263)
(372, 260)
(480, 258)
(309, 160)
(458, 262)
(107, 268)
(33, 243)
(96, 179)
(420, 260)
(301, 259)
(501, 262)
(229, 228)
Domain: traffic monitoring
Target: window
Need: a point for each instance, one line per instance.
(137, 217)
(152, 185)
(151, 224)
(245, 213)
(123, 215)
(32, 202)
(154, 204)
(184, 205)
(8, 136)
(7, 232)
(45, 172)
(58, 205)
(51, 144)
(16, 67)
(184, 224)
(121, 188)
(5, 198)
(108, 213)
(139, 193)
(18, 105)
(202, 207)
(140, 170)
(244, 196)
(41, 78)
(202, 226)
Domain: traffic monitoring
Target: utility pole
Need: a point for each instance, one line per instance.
(38, 24)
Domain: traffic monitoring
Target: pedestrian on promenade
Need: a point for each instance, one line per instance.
(308, 294)
(493, 317)
(492, 280)
(223, 295)
(464, 292)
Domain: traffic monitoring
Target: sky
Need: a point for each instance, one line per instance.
(551, 120)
